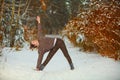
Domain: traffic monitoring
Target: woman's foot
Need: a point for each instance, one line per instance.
(42, 67)
(71, 66)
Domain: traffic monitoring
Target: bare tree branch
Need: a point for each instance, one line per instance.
(26, 8)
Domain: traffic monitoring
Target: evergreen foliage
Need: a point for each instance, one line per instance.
(18, 18)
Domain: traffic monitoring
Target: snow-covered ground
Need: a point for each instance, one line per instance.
(20, 65)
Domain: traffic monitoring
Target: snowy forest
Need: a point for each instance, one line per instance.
(89, 31)
(91, 25)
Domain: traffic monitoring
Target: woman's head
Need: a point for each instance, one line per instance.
(34, 44)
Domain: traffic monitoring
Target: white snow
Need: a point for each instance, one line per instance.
(20, 65)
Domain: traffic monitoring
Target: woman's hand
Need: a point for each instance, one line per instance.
(38, 19)
(37, 69)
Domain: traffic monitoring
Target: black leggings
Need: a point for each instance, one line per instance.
(59, 44)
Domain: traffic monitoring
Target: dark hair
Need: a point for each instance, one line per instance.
(32, 46)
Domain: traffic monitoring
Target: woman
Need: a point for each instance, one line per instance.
(45, 44)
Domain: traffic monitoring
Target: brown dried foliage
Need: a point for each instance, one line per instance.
(101, 27)
(43, 5)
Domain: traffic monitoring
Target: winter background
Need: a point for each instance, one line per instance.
(96, 22)
(20, 65)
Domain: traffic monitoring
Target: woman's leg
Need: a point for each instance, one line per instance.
(50, 55)
(39, 61)
(65, 52)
